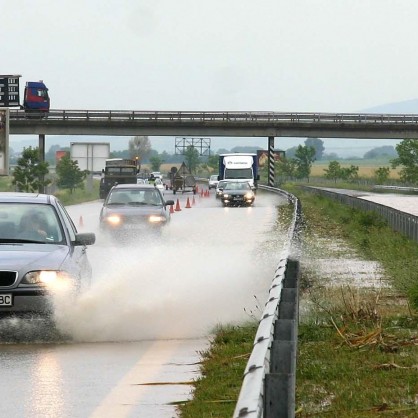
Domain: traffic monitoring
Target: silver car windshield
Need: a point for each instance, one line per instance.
(134, 197)
(21, 222)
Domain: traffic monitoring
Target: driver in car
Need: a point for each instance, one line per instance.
(33, 226)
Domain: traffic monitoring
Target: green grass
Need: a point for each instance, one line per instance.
(6, 184)
(79, 195)
(216, 392)
(376, 379)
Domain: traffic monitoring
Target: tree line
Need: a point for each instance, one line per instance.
(299, 166)
(31, 172)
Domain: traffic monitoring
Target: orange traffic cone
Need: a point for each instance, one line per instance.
(80, 222)
(201, 193)
(177, 209)
(188, 206)
(171, 208)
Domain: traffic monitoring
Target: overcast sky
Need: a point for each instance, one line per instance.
(275, 55)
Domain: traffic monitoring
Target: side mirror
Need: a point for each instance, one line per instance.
(85, 238)
(169, 203)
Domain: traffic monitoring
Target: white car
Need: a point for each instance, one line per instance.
(213, 181)
(157, 175)
(158, 183)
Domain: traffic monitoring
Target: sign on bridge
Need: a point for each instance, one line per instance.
(9, 91)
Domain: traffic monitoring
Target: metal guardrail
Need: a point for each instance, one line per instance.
(207, 116)
(402, 222)
(268, 388)
(396, 188)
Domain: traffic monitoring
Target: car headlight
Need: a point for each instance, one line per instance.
(54, 279)
(225, 195)
(113, 219)
(249, 195)
(156, 219)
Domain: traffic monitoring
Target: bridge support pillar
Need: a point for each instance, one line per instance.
(41, 147)
(271, 173)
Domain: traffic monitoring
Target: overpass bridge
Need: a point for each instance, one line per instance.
(206, 123)
(244, 124)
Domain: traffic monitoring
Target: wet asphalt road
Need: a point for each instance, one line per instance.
(130, 346)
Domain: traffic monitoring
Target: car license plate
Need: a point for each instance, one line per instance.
(6, 300)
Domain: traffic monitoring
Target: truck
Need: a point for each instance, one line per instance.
(239, 167)
(117, 171)
(36, 98)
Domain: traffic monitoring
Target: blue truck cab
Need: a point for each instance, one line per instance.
(36, 98)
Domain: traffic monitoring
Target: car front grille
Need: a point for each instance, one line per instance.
(7, 278)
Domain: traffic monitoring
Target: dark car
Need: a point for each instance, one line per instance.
(41, 253)
(134, 211)
(237, 194)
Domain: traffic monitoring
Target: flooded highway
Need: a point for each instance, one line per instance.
(130, 345)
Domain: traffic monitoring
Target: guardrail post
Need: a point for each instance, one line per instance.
(280, 382)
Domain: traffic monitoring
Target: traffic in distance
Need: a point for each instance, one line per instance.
(44, 256)
(43, 253)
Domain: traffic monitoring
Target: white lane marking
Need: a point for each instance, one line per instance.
(126, 394)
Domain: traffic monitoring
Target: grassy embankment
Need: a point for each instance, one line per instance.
(358, 346)
(77, 196)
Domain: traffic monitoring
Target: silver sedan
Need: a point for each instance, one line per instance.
(41, 253)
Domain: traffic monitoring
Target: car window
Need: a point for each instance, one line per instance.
(152, 197)
(68, 222)
(30, 221)
(119, 197)
(135, 197)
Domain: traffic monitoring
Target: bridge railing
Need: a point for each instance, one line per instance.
(268, 387)
(221, 116)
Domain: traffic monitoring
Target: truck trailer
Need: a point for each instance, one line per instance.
(239, 167)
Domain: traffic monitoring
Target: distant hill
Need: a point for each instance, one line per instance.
(405, 107)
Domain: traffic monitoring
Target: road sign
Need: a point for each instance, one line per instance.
(4, 142)
(202, 145)
(9, 91)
